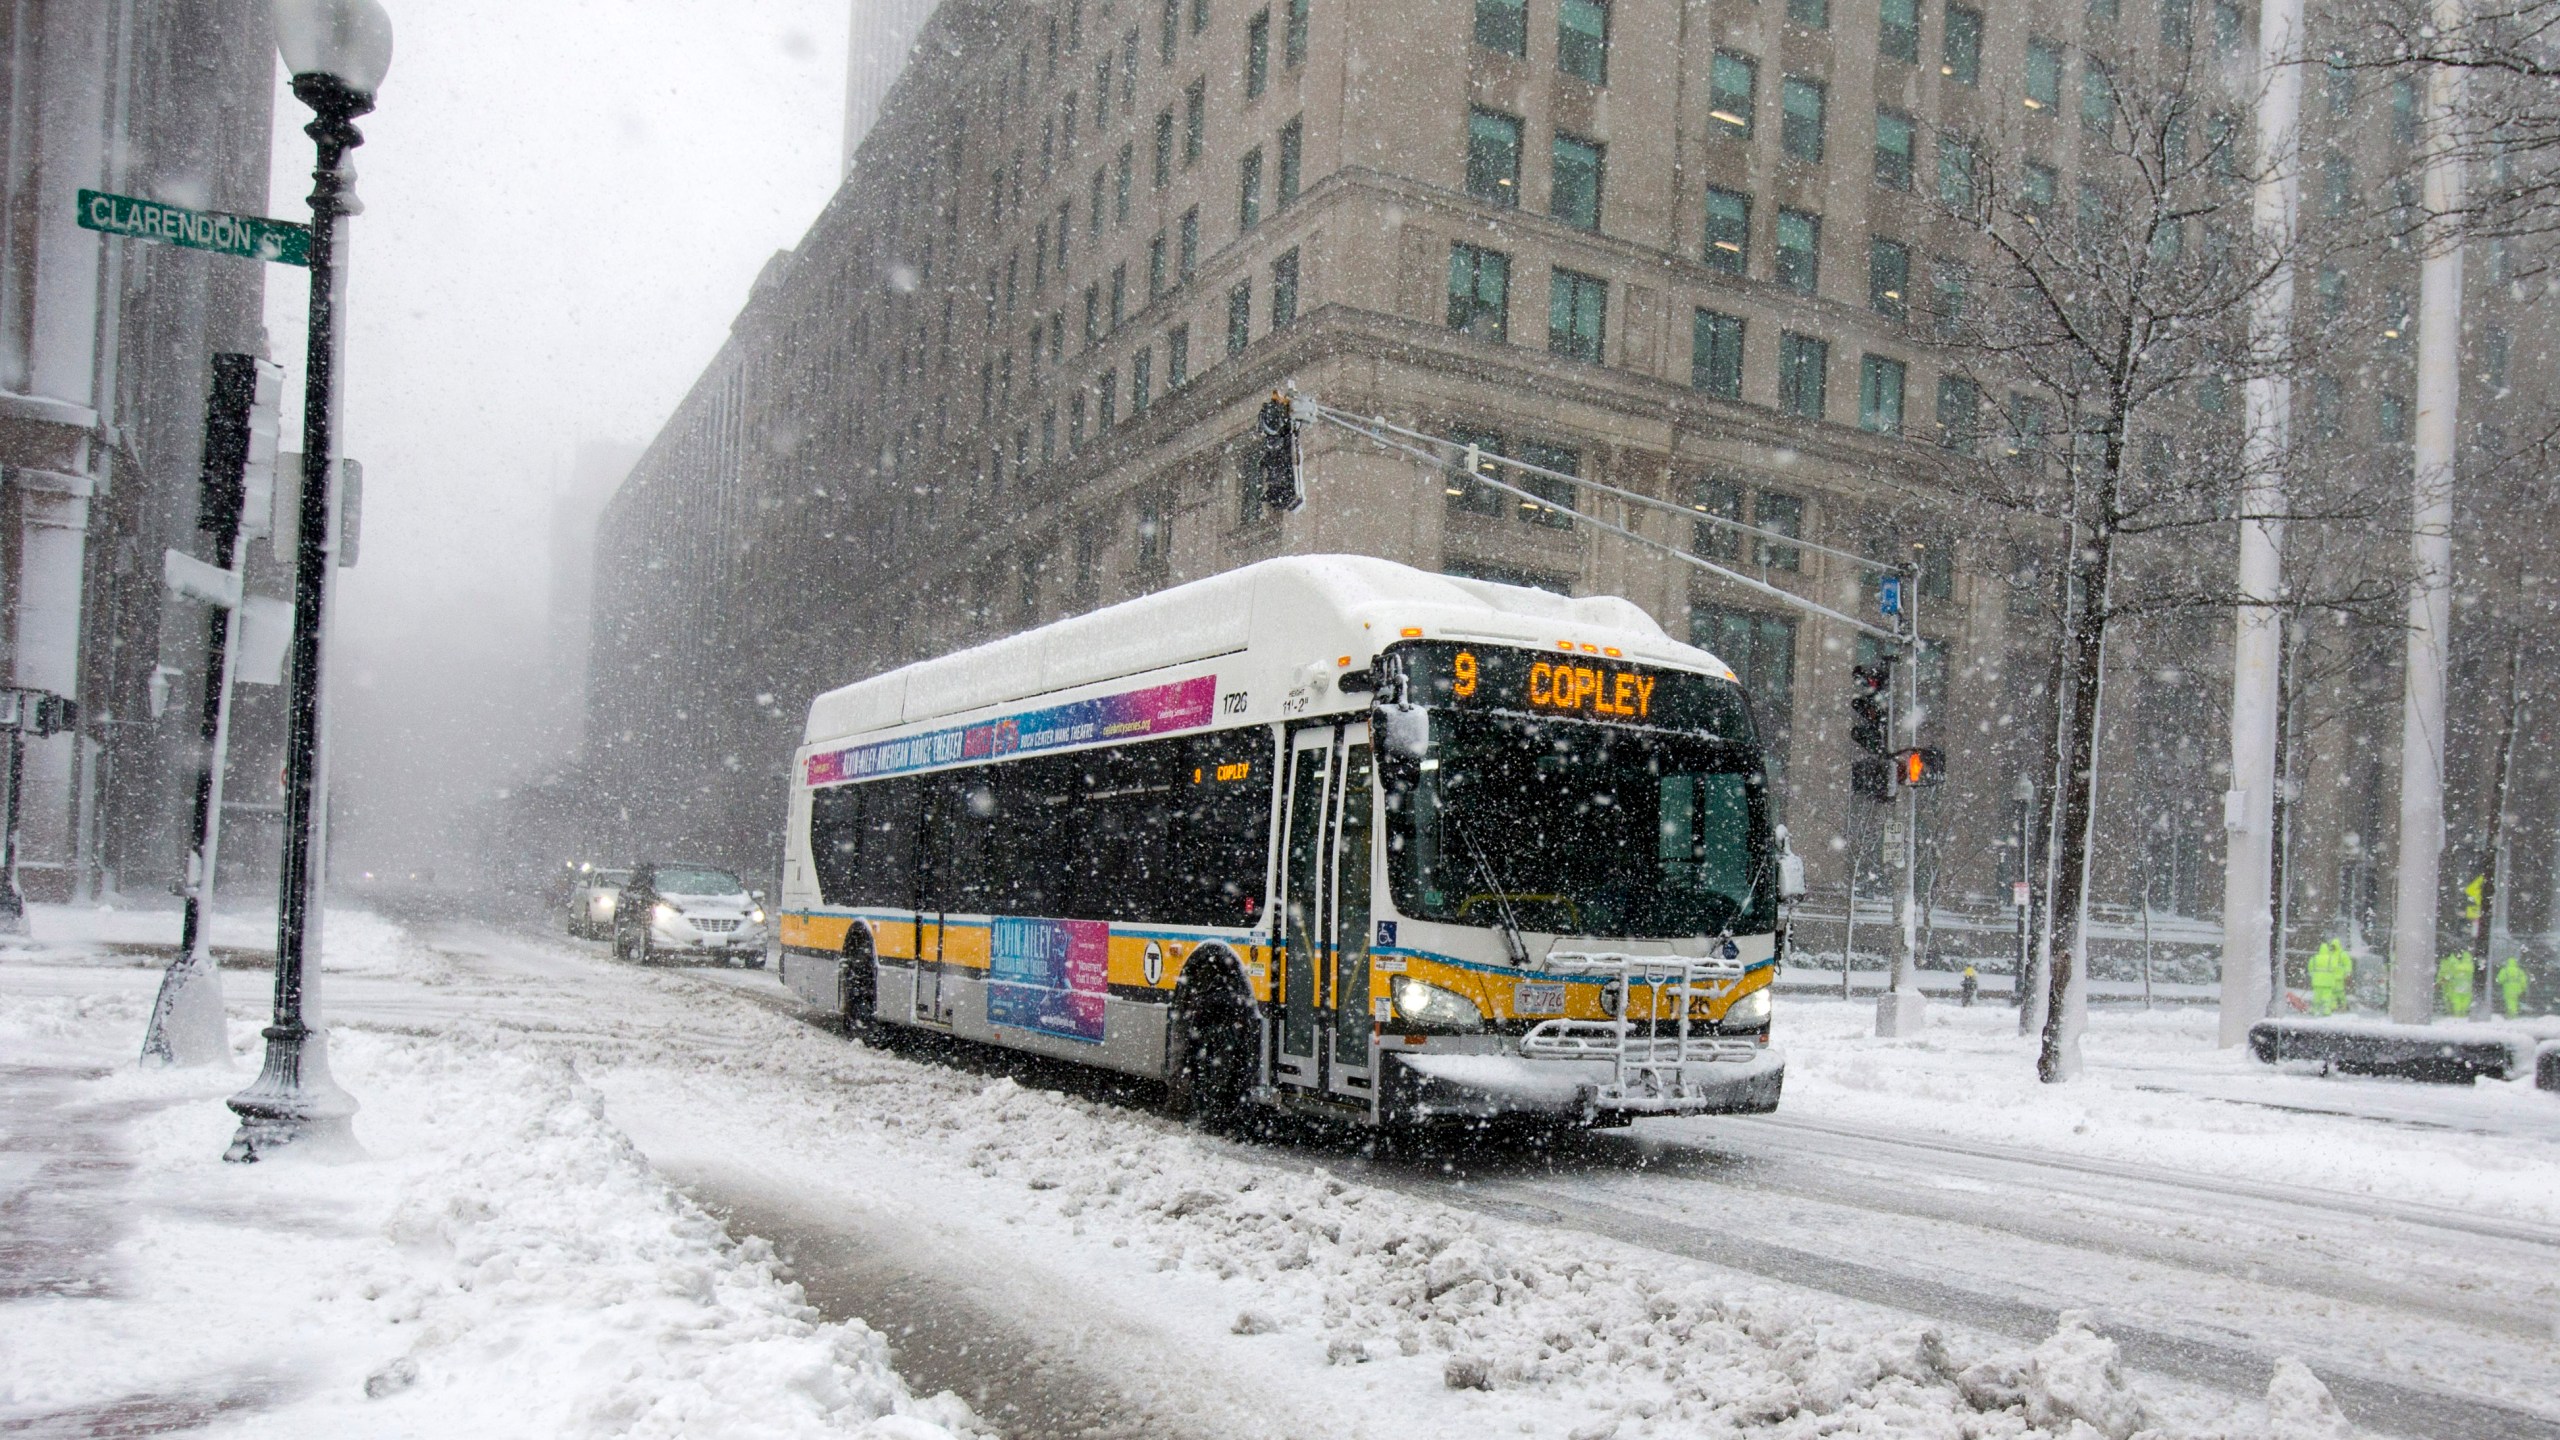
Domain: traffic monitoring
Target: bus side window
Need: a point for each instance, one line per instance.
(835, 838)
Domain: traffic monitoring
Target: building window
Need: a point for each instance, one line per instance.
(1120, 192)
(1177, 358)
(1733, 95)
(1574, 192)
(1195, 120)
(1959, 413)
(1142, 378)
(1728, 230)
(1880, 395)
(1239, 317)
(2097, 98)
(1106, 407)
(2035, 190)
(1284, 291)
(1293, 137)
(1803, 366)
(1811, 14)
(1761, 652)
(1093, 314)
(1119, 295)
(2404, 110)
(1155, 532)
(1898, 30)
(2328, 407)
(1480, 292)
(1799, 251)
(2044, 75)
(1955, 173)
(1493, 157)
(1557, 512)
(2222, 140)
(1190, 241)
(1800, 102)
(2177, 24)
(1156, 267)
(1894, 141)
(1503, 26)
(1960, 52)
(1199, 16)
(1293, 44)
(1711, 495)
(2331, 287)
(1095, 213)
(1783, 515)
(1257, 55)
(1249, 190)
(1889, 278)
(1075, 421)
(2338, 85)
(1577, 312)
(2106, 12)
(1169, 31)
(1715, 354)
(1164, 149)
(2391, 419)
(1582, 39)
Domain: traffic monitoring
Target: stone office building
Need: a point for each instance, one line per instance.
(1008, 374)
(105, 361)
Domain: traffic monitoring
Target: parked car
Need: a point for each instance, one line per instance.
(671, 909)
(592, 901)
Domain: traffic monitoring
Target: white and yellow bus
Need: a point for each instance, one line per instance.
(1326, 833)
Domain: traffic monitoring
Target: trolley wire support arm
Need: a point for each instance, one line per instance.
(1438, 453)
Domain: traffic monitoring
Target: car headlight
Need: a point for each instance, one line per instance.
(664, 912)
(755, 916)
(1422, 1006)
(608, 902)
(1750, 1010)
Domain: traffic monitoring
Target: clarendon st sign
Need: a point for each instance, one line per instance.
(277, 242)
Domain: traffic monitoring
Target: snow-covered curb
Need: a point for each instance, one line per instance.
(501, 1262)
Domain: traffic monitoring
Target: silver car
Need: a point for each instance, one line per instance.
(668, 910)
(593, 901)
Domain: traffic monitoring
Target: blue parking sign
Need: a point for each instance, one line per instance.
(1889, 596)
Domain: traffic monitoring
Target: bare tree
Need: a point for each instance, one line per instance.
(2115, 328)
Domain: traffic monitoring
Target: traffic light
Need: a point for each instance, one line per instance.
(1916, 768)
(236, 483)
(1871, 729)
(1278, 427)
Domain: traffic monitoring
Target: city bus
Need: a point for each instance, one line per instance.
(1323, 833)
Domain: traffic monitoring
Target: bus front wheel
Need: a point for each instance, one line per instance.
(1210, 1047)
(858, 983)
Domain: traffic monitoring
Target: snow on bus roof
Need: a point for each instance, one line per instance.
(1293, 605)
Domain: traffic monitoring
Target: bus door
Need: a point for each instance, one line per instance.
(934, 991)
(1350, 1071)
(1301, 934)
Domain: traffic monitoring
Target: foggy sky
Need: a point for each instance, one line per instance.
(565, 202)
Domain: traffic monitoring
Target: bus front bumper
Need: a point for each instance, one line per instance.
(1489, 1086)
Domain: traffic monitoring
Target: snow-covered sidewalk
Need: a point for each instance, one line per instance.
(506, 1262)
(498, 1262)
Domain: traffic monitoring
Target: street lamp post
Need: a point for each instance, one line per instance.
(337, 52)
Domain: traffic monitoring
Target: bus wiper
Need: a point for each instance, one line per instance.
(1512, 944)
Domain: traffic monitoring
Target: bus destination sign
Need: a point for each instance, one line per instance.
(1585, 687)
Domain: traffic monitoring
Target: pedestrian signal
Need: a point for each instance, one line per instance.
(1281, 488)
(1916, 768)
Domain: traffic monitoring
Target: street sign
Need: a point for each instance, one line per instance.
(1889, 595)
(278, 242)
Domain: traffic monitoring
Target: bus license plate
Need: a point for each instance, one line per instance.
(1533, 997)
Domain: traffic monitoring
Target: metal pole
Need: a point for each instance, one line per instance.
(2413, 926)
(2248, 806)
(293, 1097)
(1901, 1010)
(1849, 918)
(187, 1027)
(2026, 893)
(13, 903)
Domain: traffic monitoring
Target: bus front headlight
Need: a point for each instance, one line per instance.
(1749, 1012)
(1422, 1006)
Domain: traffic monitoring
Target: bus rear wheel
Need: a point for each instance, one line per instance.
(1211, 1048)
(858, 984)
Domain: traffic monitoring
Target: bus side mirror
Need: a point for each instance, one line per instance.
(1790, 869)
(756, 895)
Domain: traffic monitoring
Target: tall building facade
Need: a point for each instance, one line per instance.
(105, 349)
(1685, 249)
(884, 33)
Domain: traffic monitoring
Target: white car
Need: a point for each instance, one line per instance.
(670, 909)
(592, 900)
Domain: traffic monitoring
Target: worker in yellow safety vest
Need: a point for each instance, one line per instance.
(2510, 978)
(2331, 968)
(2453, 983)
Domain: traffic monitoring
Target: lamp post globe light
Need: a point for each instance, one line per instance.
(337, 52)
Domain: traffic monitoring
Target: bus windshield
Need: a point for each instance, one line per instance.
(1578, 828)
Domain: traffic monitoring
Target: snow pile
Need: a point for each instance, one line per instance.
(501, 1263)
